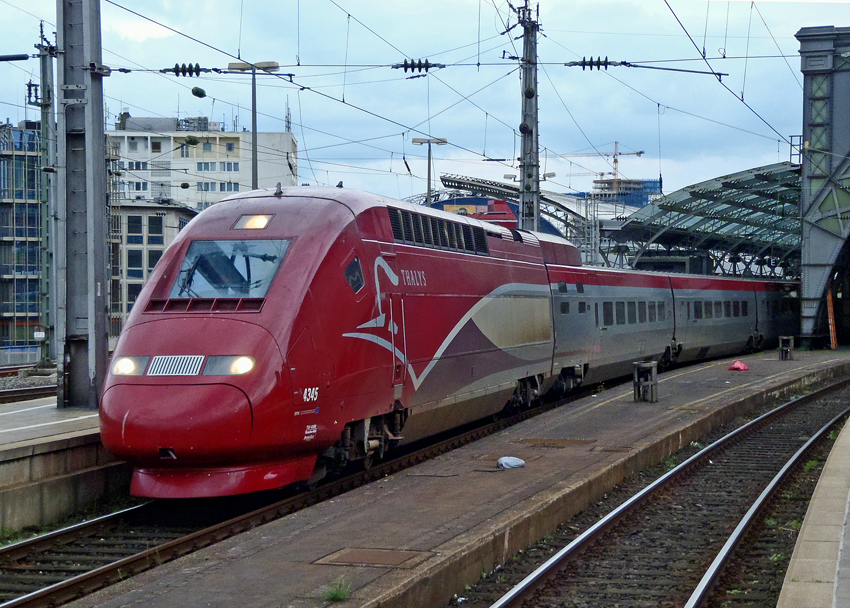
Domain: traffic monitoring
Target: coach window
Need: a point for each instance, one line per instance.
(641, 312)
(707, 310)
(661, 312)
(727, 309)
(745, 310)
(354, 275)
(562, 287)
(607, 313)
(621, 313)
(565, 308)
(632, 312)
(718, 310)
(651, 310)
(579, 287)
(596, 313)
(736, 309)
(582, 307)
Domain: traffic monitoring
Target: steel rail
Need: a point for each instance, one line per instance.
(712, 575)
(13, 395)
(88, 582)
(549, 569)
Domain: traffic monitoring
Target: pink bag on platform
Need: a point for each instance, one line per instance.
(738, 366)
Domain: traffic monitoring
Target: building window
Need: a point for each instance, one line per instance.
(134, 230)
(207, 146)
(135, 270)
(133, 146)
(156, 146)
(155, 230)
(184, 151)
(133, 291)
(153, 258)
(200, 186)
(236, 166)
(230, 146)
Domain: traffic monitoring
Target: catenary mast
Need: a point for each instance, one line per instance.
(529, 161)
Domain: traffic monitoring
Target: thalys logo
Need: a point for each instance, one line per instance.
(527, 301)
(382, 328)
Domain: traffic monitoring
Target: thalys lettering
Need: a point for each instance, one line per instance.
(414, 278)
(283, 336)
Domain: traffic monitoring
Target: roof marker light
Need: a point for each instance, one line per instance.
(252, 222)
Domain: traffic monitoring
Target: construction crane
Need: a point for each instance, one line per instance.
(617, 154)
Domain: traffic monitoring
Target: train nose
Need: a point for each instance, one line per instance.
(180, 424)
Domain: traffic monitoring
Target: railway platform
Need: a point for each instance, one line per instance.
(51, 463)
(418, 537)
(819, 573)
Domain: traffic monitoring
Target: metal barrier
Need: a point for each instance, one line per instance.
(19, 355)
(646, 380)
(786, 348)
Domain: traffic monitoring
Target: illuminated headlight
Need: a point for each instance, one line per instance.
(228, 365)
(129, 366)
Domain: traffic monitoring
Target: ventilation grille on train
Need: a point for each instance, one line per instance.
(176, 365)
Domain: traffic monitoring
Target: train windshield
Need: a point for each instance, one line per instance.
(228, 269)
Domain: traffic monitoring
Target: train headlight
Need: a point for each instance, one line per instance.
(129, 366)
(229, 365)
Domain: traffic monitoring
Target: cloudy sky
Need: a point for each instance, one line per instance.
(354, 116)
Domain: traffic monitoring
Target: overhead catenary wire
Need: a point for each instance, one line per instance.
(302, 87)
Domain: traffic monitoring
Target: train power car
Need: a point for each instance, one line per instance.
(286, 333)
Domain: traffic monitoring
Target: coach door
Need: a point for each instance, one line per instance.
(399, 342)
(395, 324)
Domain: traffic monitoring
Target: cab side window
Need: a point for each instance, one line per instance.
(354, 275)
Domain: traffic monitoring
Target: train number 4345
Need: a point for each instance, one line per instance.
(311, 394)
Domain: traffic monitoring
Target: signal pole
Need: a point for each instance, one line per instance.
(529, 161)
(46, 53)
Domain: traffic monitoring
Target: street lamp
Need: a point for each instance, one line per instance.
(437, 141)
(266, 66)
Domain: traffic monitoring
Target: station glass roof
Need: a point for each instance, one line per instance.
(753, 213)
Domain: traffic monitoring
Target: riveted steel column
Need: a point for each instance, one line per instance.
(825, 196)
(81, 216)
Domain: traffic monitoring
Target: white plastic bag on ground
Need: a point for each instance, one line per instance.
(510, 462)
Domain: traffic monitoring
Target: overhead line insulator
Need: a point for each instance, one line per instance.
(417, 66)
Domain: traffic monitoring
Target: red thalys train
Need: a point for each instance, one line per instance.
(284, 334)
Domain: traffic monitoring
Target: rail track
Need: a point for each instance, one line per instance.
(61, 566)
(12, 395)
(668, 545)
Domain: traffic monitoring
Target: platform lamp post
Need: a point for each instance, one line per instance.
(437, 141)
(265, 66)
